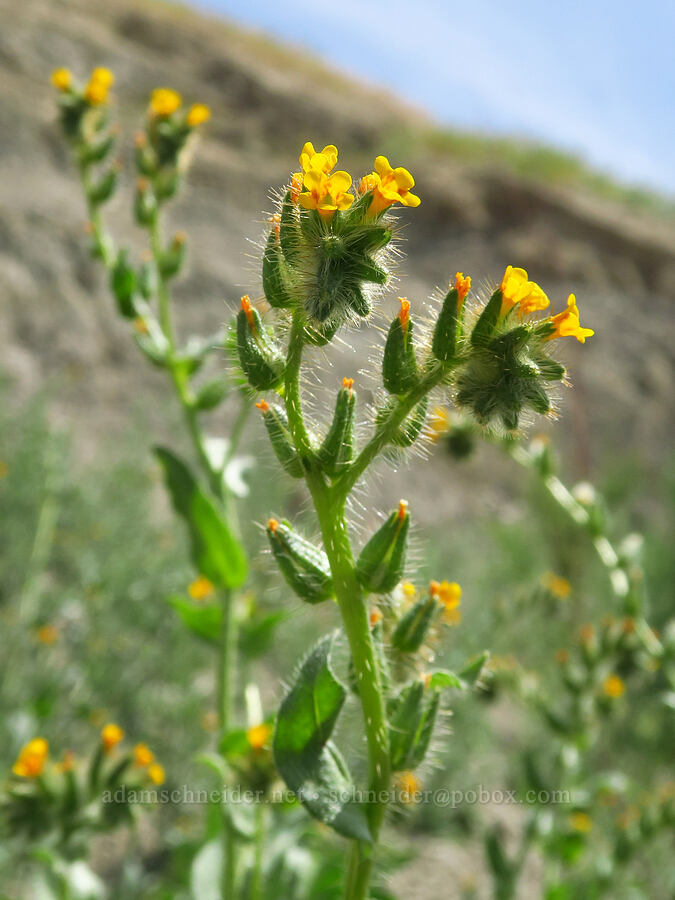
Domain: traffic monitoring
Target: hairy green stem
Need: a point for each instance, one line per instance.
(330, 509)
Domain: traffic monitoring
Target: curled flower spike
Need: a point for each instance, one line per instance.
(258, 736)
(164, 102)
(326, 194)
(31, 760)
(111, 736)
(389, 186)
(567, 324)
(62, 79)
(197, 115)
(518, 290)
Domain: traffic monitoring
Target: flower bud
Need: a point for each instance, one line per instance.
(399, 366)
(259, 356)
(276, 275)
(337, 450)
(123, 281)
(104, 188)
(145, 204)
(444, 340)
(211, 394)
(304, 566)
(381, 563)
(412, 715)
(172, 259)
(290, 236)
(413, 626)
(276, 423)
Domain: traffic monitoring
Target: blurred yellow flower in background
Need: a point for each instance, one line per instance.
(31, 760)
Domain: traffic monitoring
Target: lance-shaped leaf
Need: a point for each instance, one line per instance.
(306, 758)
(203, 619)
(215, 551)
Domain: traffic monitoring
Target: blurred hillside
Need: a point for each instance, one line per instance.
(484, 205)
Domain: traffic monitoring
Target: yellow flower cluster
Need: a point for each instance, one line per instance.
(100, 82)
(111, 736)
(144, 758)
(449, 593)
(164, 102)
(518, 290)
(31, 759)
(201, 589)
(316, 188)
(96, 89)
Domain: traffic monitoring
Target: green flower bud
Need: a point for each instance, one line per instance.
(173, 257)
(304, 566)
(412, 715)
(96, 152)
(399, 366)
(337, 450)
(123, 282)
(444, 342)
(259, 356)
(211, 394)
(381, 563)
(104, 188)
(412, 426)
(145, 204)
(276, 423)
(290, 236)
(413, 626)
(276, 275)
(145, 159)
(487, 321)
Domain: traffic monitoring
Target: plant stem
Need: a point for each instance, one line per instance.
(330, 509)
(258, 851)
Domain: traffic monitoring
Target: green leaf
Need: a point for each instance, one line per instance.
(306, 758)
(216, 553)
(203, 619)
(474, 668)
(443, 679)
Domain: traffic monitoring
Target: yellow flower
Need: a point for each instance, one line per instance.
(31, 760)
(581, 821)
(164, 102)
(409, 590)
(143, 755)
(408, 784)
(449, 593)
(4, 469)
(198, 114)
(47, 634)
(562, 656)
(517, 289)
(389, 186)
(102, 76)
(111, 735)
(258, 736)
(156, 774)
(96, 92)
(326, 194)
(375, 617)
(62, 79)
(462, 286)
(557, 585)
(614, 687)
(323, 161)
(201, 588)
(439, 423)
(567, 323)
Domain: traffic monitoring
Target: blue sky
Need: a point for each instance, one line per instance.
(594, 77)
